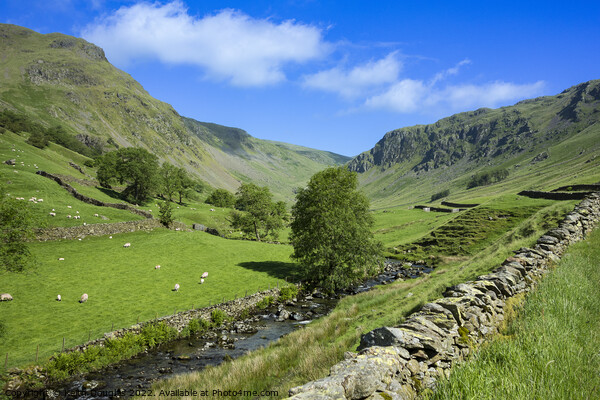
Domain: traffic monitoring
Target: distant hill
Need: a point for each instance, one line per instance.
(550, 140)
(60, 80)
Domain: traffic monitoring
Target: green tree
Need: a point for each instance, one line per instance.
(183, 182)
(221, 198)
(168, 180)
(133, 166)
(16, 224)
(331, 231)
(259, 216)
(165, 213)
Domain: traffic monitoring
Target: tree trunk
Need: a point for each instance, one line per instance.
(256, 232)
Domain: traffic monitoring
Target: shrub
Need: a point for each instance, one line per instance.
(486, 178)
(288, 292)
(265, 302)
(218, 316)
(439, 195)
(221, 198)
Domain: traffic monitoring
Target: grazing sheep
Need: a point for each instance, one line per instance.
(212, 209)
(52, 214)
(84, 298)
(58, 298)
(69, 207)
(201, 281)
(40, 200)
(204, 275)
(127, 245)
(110, 237)
(61, 259)
(69, 216)
(157, 267)
(176, 289)
(5, 297)
(95, 215)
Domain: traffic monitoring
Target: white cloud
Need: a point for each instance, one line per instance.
(227, 45)
(354, 82)
(408, 95)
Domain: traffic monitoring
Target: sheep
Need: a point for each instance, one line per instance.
(96, 215)
(157, 267)
(5, 297)
(41, 200)
(176, 288)
(53, 214)
(69, 216)
(58, 298)
(204, 275)
(84, 298)
(127, 244)
(110, 237)
(69, 207)
(201, 281)
(61, 259)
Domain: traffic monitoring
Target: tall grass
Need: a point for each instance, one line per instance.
(551, 350)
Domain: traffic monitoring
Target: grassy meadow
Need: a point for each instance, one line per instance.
(123, 285)
(550, 350)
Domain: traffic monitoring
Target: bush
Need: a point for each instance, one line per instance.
(487, 178)
(154, 334)
(288, 292)
(38, 139)
(218, 316)
(265, 302)
(439, 195)
(221, 198)
(165, 213)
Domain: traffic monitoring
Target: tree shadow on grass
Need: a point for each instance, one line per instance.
(110, 192)
(276, 269)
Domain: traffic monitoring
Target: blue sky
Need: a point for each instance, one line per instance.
(332, 75)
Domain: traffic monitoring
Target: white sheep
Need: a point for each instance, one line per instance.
(40, 200)
(204, 275)
(201, 281)
(69, 216)
(58, 298)
(69, 207)
(5, 297)
(127, 245)
(61, 259)
(84, 298)
(157, 267)
(53, 214)
(95, 215)
(176, 289)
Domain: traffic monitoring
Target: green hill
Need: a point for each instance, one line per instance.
(541, 143)
(56, 79)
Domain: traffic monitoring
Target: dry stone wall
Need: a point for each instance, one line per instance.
(89, 200)
(398, 362)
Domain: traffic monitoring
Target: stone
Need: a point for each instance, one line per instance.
(12, 161)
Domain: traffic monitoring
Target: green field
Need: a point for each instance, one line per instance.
(123, 285)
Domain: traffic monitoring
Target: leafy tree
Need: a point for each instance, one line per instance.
(440, 195)
(165, 213)
(38, 139)
(133, 166)
(221, 198)
(260, 217)
(331, 231)
(183, 182)
(168, 180)
(16, 224)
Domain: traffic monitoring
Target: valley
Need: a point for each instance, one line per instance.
(54, 79)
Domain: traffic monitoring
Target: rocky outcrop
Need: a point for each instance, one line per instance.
(399, 362)
(89, 200)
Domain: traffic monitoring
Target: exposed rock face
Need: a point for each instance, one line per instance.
(398, 362)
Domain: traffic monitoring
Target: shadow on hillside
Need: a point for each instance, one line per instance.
(110, 192)
(276, 269)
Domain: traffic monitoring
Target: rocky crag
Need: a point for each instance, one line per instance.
(399, 362)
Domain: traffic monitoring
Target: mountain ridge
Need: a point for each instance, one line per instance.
(57, 79)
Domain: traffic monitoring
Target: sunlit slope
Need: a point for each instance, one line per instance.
(60, 80)
(543, 143)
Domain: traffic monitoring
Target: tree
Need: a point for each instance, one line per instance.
(260, 216)
(221, 198)
(182, 183)
(133, 166)
(331, 231)
(16, 224)
(165, 213)
(168, 180)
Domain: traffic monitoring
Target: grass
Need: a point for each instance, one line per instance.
(550, 351)
(308, 353)
(123, 285)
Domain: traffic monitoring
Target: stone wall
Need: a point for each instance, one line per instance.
(89, 200)
(458, 205)
(398, 362)
(534, 194)
(81, 231)
(568, 188)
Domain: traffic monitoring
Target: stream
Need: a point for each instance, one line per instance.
(136, 376)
